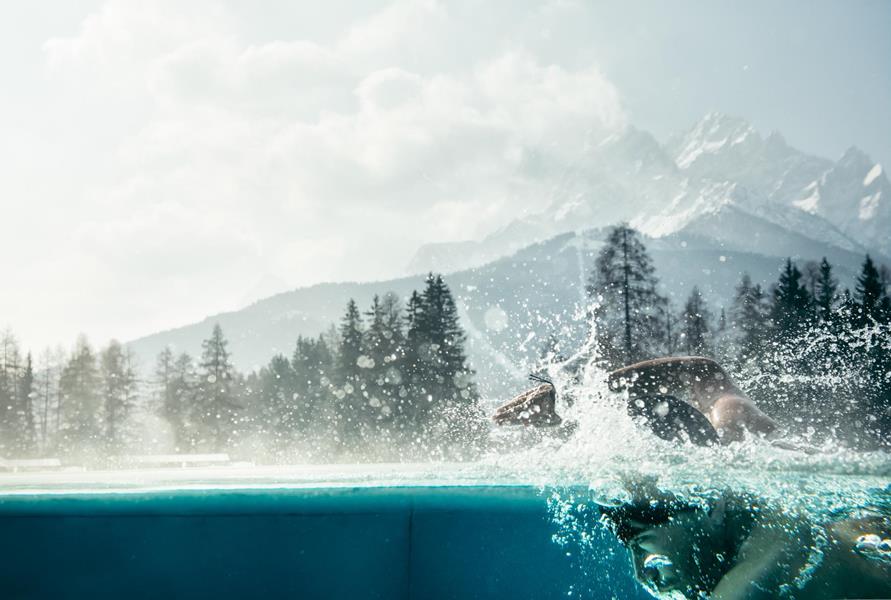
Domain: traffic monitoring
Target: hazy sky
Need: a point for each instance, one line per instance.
(162, 161)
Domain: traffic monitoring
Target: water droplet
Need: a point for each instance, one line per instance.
(495, 319)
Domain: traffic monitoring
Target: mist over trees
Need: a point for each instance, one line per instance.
(390, 383)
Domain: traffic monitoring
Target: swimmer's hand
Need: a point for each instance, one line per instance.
(533, 407)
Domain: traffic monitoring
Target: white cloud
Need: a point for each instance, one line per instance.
(308, 160)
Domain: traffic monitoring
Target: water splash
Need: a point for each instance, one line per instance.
(586, 472)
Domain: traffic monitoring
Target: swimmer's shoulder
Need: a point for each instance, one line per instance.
(732, 414)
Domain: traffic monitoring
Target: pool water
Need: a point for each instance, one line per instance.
(221, 538)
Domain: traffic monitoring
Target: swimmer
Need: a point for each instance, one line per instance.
(702, 384)
(736, 549)
(686, 397)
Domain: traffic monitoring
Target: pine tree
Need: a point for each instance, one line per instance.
(216, 407)
(885, 301)
(442, 395)
(118, 394)
(385, 347)
(28, 439)
(60, 358)
(790, 310)
(352, 413)
(280, 409)
(810, 276)
(414, 339)
(377, 348)
(164, 381)
(350, 349)
(750, 315)
(872, 312)
(46, 387)
(451, 376)
(416, 370)
(313, 366)
(695, 319)
(179, 402)
(81, 400)
(628, 306)
(870, 294)
(825, 292)
(10, 425)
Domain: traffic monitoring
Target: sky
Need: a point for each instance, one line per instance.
(164, 161)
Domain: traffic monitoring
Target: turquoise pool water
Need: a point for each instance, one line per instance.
(211, 536)
(484, 530)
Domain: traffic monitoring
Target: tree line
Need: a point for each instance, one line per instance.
(389, 383)
(804, 347)
(393, 381)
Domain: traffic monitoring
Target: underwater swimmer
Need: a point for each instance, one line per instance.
(735, 549)
(687, 397)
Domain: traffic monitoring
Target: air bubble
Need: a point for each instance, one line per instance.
(495, 319)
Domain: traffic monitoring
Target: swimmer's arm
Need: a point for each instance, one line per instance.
(765, 563)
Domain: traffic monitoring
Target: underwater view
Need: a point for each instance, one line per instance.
(440, 299)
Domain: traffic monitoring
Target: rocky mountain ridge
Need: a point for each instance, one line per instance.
(662, 189)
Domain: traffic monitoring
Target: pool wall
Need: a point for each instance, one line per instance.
(348, 542)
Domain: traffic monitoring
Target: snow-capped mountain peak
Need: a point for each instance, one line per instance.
(854, 194)
(714, 133)
(718, 171)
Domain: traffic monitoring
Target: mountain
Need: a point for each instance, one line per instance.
(625, 175)
(854, 193)
(719, 163)
(726, 148)
(851, 194)
(510, 306)
(715, 201)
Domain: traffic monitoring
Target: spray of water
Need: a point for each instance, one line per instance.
(589, 469)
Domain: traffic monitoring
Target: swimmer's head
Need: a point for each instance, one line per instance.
(676, 546)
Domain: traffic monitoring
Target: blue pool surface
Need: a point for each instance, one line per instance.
(399, 542)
